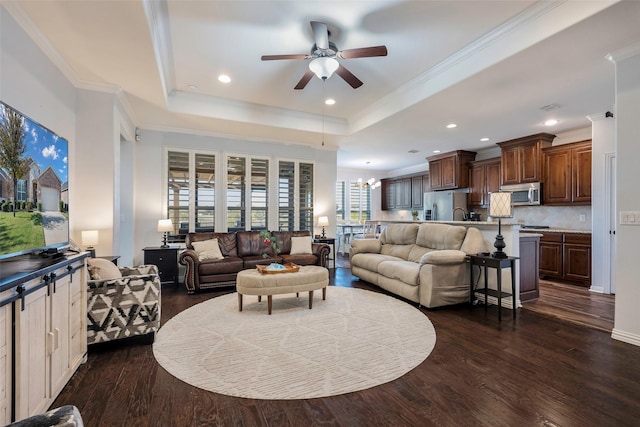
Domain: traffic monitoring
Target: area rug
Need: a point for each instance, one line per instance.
(354, 340)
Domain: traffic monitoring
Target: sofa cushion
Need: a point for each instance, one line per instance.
(405, 271)
(398, 251)
(222, 266)
(371, 261)
(226, 241)
(399, 234)
(208, 249)
(300, 245)
(283, 239)
(440, 236)
(250, 243)
(103, 269)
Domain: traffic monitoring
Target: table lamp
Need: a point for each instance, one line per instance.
(165, 226)
(90, 240)
(323, 221)
(500, 207)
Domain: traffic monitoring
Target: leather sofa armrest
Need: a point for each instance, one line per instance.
(321, 250)
(444, 257)
(190, 258)
(358, 246)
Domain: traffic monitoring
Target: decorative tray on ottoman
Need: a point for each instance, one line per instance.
(274, 268)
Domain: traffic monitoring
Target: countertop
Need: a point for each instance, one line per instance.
(495, 223)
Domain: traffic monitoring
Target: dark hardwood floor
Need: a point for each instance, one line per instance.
(534, 370)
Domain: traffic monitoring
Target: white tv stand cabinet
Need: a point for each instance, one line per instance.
(43, 330)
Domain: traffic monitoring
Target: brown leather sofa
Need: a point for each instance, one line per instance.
(242, 250)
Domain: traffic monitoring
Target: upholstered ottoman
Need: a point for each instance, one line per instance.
(308, 278)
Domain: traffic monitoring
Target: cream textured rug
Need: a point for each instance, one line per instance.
(354, 340)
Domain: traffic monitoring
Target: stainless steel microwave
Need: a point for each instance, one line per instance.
(524, 194)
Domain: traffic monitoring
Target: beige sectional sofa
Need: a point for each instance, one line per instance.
(425, 263)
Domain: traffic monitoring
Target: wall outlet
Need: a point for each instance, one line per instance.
(583, 217)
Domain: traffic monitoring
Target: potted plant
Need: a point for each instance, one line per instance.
(415, 215)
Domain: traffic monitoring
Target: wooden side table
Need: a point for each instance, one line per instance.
(498, 264)
(330, 241)
(166, 259)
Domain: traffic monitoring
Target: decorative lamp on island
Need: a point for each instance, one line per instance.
(500, 207)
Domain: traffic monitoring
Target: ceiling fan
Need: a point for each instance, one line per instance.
(324, 56)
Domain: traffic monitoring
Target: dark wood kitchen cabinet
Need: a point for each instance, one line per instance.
(529, 266)
(522, 158)
(566, 256)
(567, 174)
(484, 178)
(404, 192)
(450, 170)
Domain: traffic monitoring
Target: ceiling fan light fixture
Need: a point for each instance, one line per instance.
(324, 67)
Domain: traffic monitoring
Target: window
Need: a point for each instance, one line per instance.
(205, 192)
(306, 196)
(259, 194)
(286, 186)
(340, 194)
(21, 190)
(295, 213)
(236, 172)
(359, 202)
(178, 190)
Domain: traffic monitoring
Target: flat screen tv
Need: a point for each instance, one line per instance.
(34, 186)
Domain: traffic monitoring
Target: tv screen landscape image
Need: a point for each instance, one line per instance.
(34, 209)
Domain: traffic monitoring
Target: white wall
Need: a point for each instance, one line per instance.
(627, 315)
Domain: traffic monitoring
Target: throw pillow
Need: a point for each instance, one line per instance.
(208, 249)
(103, 269)
(301, 245)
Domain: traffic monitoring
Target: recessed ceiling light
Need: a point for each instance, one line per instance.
(436, 151)
(551, 122)
(329, 101)
(223, 78)
(451, 125)
(413, 151)
(192, 86)
(485, 139)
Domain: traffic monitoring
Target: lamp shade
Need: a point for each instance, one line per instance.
(90, 237)
(323, 221)
(165, 225)
(500, 205)
(324, 67)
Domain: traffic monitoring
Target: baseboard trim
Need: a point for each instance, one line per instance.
(627, 337)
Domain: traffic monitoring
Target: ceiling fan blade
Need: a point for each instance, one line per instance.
(320, 34)
(304, 80)
(274, 57)
(348, 77)
(363, 52)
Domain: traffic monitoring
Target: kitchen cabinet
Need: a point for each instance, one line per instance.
(450, 170)
(566, 256)
(529, 266)
(405, 192)
(46, 341)
(484, 178)
(522, 158)
(567, 174)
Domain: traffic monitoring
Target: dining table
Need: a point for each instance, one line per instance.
(346, 231)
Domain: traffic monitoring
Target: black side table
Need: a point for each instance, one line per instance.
(166, 259)
(498, 264)
(112, 258)
(330, 241)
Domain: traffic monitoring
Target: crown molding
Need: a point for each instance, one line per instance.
(625, 53)
(158, 22)
(257, 114)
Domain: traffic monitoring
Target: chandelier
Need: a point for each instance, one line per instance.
(371, 182)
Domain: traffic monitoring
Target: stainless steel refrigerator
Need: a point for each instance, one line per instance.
(441, 205)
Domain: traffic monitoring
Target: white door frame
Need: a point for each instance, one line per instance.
(610, 222)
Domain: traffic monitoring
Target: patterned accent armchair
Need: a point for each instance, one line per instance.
(124, 307)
